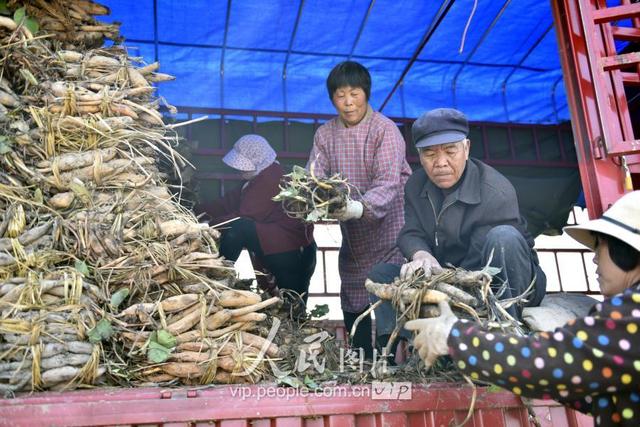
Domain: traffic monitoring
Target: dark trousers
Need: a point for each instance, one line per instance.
(362, 337)
(518, 265)
(292, 269)
(517, 262)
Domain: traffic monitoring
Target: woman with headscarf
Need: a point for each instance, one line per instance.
(282, 245)
(591, 364)
(368, 150)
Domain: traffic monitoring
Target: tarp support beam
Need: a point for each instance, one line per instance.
(524, 58)
(475, 48)
(362, 25)
(286, 59)
(442, 12)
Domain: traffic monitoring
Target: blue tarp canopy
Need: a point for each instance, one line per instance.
(275, 55)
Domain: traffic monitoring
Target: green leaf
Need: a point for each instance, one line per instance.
(4, 10)
(286, 193)
(299, 170)
(118, 297)
(161, 344)
(166, 339)
(28, 76)
(157, 353)
(320, 310)
(494, 389)
(310, 383)
(290, 381)
(492, 271)
(81, 267)
(102, 331)
(5, 146)
(289, 192)
(19, 15)
(80, 190)
(32, 25)
(37, 196)
(316, 215)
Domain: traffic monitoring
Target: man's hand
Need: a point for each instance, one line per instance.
(423, 260)
(431, 340)
(353, 210)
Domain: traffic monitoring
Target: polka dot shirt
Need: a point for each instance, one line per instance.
(591, 364)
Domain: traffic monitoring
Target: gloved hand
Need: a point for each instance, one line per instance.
(353, 210)
(431, 340)
(423, 260)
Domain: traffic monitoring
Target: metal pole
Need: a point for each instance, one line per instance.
(442, 12)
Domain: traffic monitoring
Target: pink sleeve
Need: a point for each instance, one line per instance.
(319, 156)
(388, 165)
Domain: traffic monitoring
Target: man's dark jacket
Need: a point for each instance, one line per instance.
(483, 199)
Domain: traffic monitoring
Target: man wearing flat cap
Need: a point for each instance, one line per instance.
(460, 211)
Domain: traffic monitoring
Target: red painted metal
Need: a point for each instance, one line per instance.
(620, 61)
(626, 34)
(403, 122)
(594, 82)
(430, 405)
(217, 112)
(608, 14)
(631, 78)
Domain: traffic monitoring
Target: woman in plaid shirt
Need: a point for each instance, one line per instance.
(368, 150)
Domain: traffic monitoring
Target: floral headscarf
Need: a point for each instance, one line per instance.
(250, 153)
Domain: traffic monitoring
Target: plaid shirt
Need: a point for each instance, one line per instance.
(371, 156)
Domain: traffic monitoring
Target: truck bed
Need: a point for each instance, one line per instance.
(268, 405)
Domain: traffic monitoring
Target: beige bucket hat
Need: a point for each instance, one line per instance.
(250, 153)
(621, 221)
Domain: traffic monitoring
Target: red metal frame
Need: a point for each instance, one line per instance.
(404, 124)
(225, 406)
(595, 85)
(582, 252)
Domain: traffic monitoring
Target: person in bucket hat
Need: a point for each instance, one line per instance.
(591, 364)
(279, 245)
(619, 230)
(251, 154)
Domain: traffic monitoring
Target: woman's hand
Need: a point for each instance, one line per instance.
(433, 334)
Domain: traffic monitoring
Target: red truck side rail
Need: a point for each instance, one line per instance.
(595, 77)
(236, 406)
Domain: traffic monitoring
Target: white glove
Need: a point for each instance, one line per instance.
(423, 260)
(353, 210)
(431, 340)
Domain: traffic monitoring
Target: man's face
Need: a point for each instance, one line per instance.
(445, 163)
(351, 104)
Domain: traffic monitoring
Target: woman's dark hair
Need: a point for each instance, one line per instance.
(625, 256)
(349, 73)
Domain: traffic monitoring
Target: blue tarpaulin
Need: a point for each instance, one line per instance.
(275, 55)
